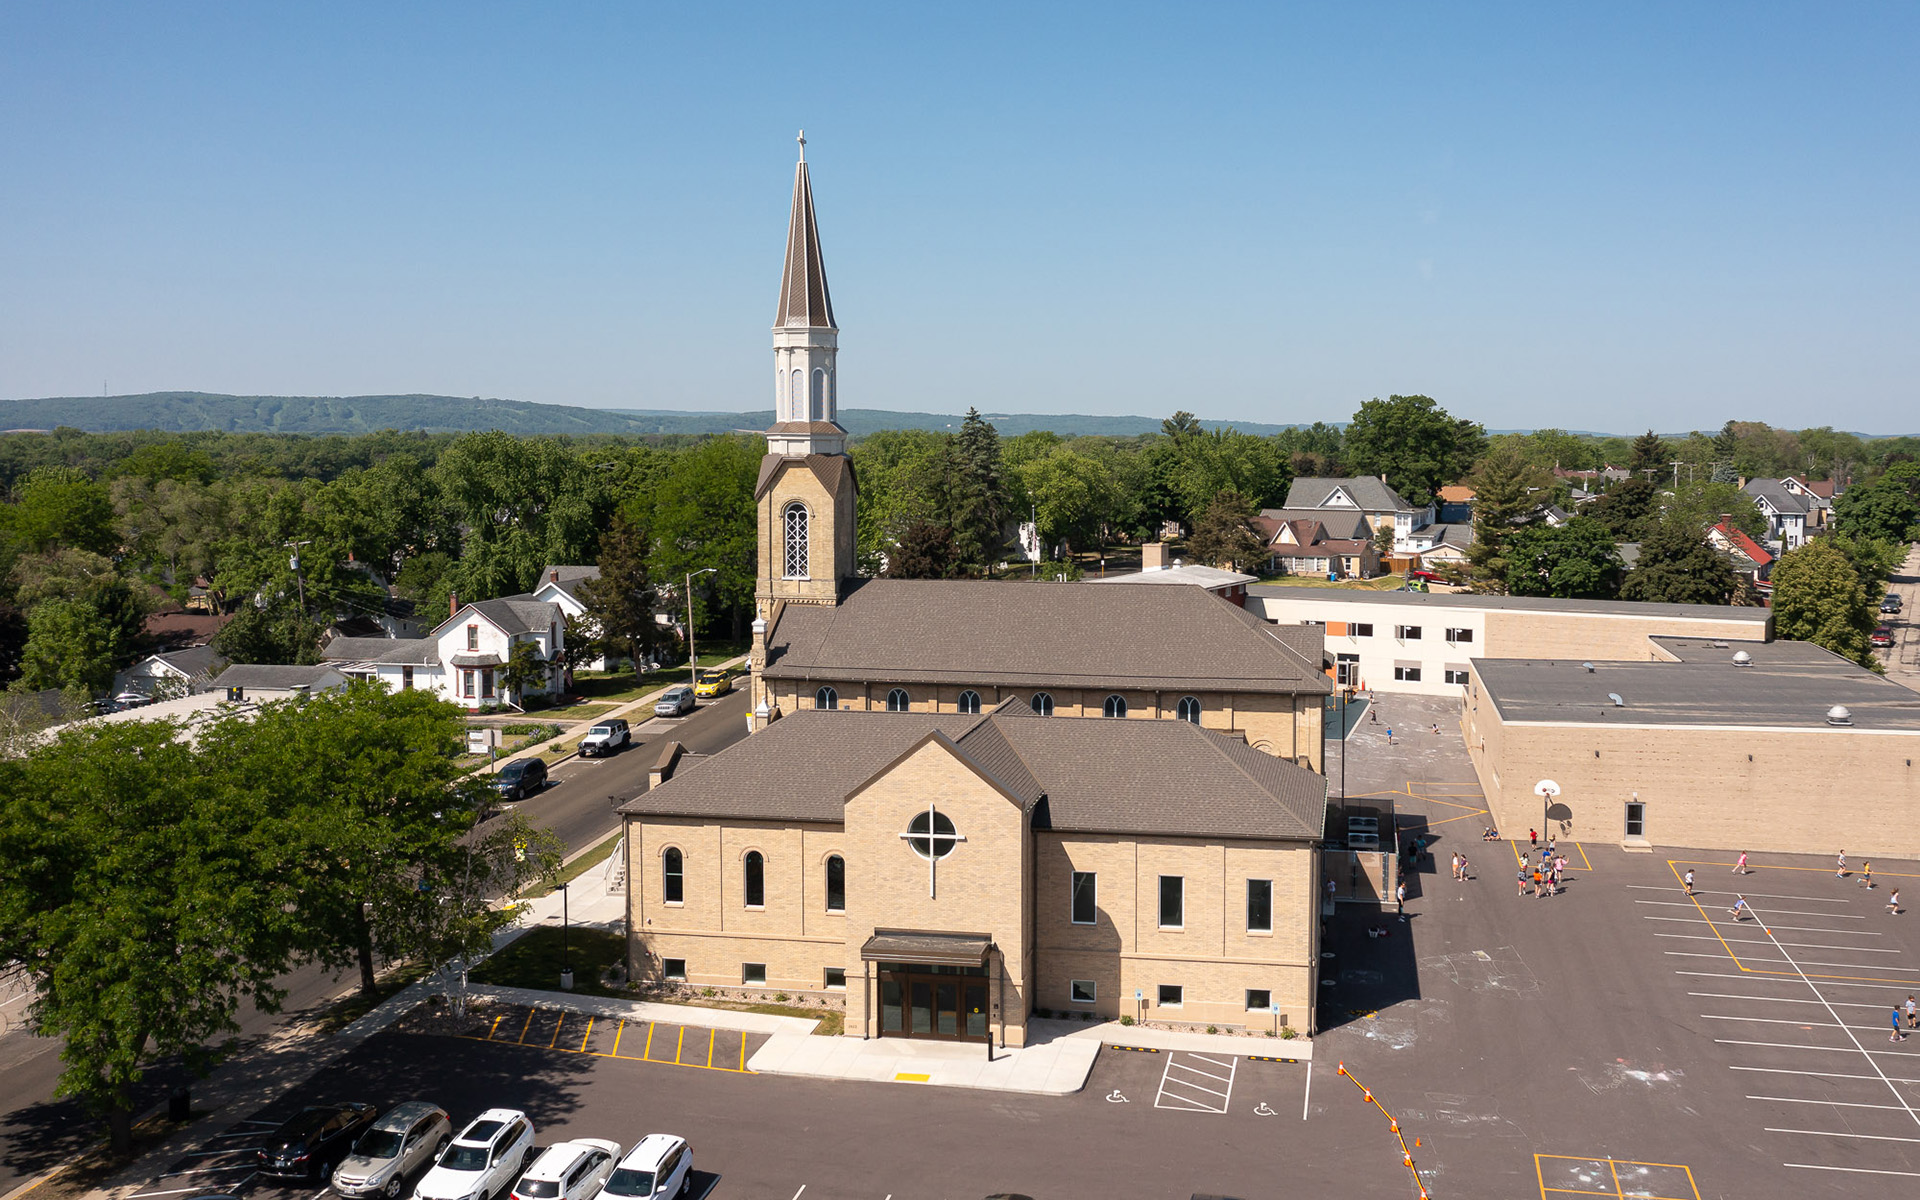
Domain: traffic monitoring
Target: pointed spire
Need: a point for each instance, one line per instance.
(804, 300)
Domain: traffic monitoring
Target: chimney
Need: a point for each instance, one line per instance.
(1153, 556)
(663, 766)
(554, 576)
(453, 604)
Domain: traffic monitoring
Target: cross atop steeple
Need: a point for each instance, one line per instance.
(804, 300)
(802, 139)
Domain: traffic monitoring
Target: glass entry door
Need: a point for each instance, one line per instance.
(945, 1006)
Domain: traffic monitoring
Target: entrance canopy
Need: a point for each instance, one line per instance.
(934, 949)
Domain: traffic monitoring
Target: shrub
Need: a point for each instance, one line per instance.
(1212, 1029)
(1289, 1032)
(780, 997)
(553, 747)
(1125, 1020)
(707, 992)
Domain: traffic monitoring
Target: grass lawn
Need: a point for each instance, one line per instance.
(832, 1020)
(1380, 583)
(591, 860)
(348, 1009)
(532, 960)
(620, 686)
(573, 713)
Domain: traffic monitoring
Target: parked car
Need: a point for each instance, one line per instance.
(677, 702)
(714, 683)
(1882, 637)
(606, 737)
(308, 1143)
(1889, 603)
(658, 1166)
(408, 1137)
(483, 1161)
(521, 778)
(572, 1170)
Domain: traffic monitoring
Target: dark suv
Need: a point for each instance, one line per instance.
(314, 1140)
(521, 778)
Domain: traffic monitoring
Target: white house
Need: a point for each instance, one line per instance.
(560, 584)
(465, 658)
(1363, 495)
(175, 673)
(1786, 510)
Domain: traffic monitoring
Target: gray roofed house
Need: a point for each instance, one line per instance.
(1114, 635)
(1363, 493)
(1337, 525)
(268, 681)
(1076, 774)
(175, 671)
(407, 651)
(510, 614)
(1787, 510)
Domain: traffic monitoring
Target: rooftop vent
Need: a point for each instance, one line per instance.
(1838, 715)
(1718, 645)
(1617, 701)
(1742, 659)
(1588, 666)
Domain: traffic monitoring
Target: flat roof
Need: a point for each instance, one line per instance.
(1544, 604)
(1785, 685)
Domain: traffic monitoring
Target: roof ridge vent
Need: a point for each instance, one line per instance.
(1839, 715)
(1588, 666)
(1742, 659)
(1617, 701)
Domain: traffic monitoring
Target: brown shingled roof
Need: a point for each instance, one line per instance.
(1114, 635)
(1077, 774)
(827, 468)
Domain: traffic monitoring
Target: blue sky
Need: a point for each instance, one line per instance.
(1603, 217)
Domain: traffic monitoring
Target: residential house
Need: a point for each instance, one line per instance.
(1749, 557)
(1303, 546)
(465, 658)
(1786, 510)
(173, 673)
(262, 682)
(1456, 503)
(1440, 544)
(560, 584)
(1230, 586)
(1365, 495)
(1819, 495)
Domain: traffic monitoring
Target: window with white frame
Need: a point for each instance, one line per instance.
(753, 973)
(673, 879)
(755, 880)
(1042, 704)
(834, 979)
(898, 701)
(1360, 629)
(1259, 906)
(1406, 672)
(796, 521)
(1457, 675)
(1459, 636)
(1171, 995)
(1085, 902)
(970, 702)
(836, 884)
(1407, 633)
(674, 969)
(1173, 902)
(826, 698)
(1116, 706)
(1188, 709)
(1259, 999)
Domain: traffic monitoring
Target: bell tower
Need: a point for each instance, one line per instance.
(806, 490)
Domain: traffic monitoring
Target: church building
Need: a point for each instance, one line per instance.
(967, 800)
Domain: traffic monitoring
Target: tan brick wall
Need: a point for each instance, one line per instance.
(1561, 635)
(1213, 957)
(1792, 791)
(830, 531)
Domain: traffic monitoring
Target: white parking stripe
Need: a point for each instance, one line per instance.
(1785, 1000)
(1791, 928)
(1643, 887)
(1852, 1170)
(1871, 1137)
(1834, 1103)
(1822, 1074)
(1788, 912)
(1754, 958)
(1198, 1071)
(1856, 1048)
(205, 1170)
(1767, 979)
(1792, 1021)
(1707, 937)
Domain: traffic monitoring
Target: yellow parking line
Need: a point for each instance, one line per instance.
(586, 1035)
(616, 1039)
(526, 1027)
(648, 1052)
(495, 1027)
(559, 1020)
(1583, 855)
(1756, 867)
(680, 1045)
(711, 1035)
(743, 1051)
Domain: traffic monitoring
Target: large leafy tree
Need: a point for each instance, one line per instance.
(621, 602)
(1818, 597)
(60, 508)
(1575, 561)
(1222, 535)
(703, 516)
(1415, 443)
(1069, 492)
(1508, 492)
(1884, 508)
(145, 897)
(521, 503)
(1679, 566)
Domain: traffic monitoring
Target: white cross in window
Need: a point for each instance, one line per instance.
(933, 838)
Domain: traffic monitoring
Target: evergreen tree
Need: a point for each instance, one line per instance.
(1818, 597)
(1508, 492)
(1678, 566)
(1649, 454)
(1625, 507)
(977, 493)
(621, 602)
(925, 550)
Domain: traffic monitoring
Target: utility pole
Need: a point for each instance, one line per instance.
(1676, 474)
(693, 657)
(299, 580)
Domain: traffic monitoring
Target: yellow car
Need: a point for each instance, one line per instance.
(718, 683)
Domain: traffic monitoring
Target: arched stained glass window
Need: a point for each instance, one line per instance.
(1189, 709)
(897, 700)
(672, 877)
(756, 880)
(970, 702)
(826, 698)
(1116, 706)
(795, 519)
(836, 884)
(1042, 704)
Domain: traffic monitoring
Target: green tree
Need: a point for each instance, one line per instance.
(142, 901)
(925, 550)
(1414, 442)
(1626, 507)
(1883, 508)
(1508, 492)
(522, 503)
(977, 507)
(1649, 460)
(69, 644)
(703, 516)
(1180, 426)
(1221, 535)
(1705, 502)
(1678, 566)
(1818, 597)
(270, 629)
(1575, 561)
(621, 603)
(60, 508)
(905, 476)
(1069, 493)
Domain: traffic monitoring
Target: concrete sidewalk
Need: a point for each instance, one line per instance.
(647, 1010)
(625, 708)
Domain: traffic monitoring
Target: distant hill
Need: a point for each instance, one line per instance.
(187, 412)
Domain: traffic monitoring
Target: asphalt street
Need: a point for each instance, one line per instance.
(38, 1132)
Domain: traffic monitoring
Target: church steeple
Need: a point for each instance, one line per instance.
(806, 398)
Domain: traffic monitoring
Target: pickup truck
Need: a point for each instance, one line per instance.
(606, 737)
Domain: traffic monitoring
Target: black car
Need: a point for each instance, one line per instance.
(314, 1140)
(521, 778)
(1890, 603)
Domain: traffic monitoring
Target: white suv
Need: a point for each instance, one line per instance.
(658, 1166)
(484, 1160)
(569, 1171)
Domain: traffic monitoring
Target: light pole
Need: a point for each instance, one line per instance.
(693, 659)
(566, 957)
